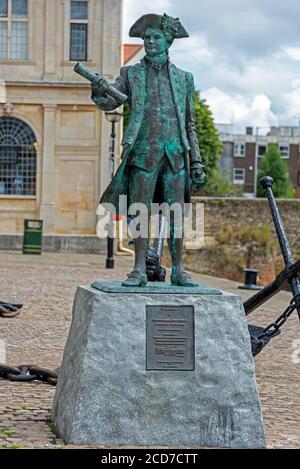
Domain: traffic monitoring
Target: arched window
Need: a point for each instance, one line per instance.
(17, 157)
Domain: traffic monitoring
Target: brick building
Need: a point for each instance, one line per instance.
(242, 153)
(133, 53)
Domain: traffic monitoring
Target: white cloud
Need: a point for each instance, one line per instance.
(292, 52)
(236, 109)
(193, 49)
(291, 103)
(134, 9)
(147, 6)
(296, 83)
(245, 59)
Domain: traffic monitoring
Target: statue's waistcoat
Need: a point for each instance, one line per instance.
(136, 76)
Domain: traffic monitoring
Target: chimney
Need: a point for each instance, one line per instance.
(249, 130)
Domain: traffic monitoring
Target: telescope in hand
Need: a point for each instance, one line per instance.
(93, 77)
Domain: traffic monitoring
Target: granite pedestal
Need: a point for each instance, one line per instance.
(202, 392)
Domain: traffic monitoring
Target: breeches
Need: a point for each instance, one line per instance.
(168, 186)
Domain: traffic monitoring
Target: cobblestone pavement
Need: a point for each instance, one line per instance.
(46, 286)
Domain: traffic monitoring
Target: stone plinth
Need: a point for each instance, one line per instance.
(105, 394)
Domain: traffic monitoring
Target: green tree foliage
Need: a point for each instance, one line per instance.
(219, 185)
(273, 165)
(211, 149)
(209, 141)
(254, 240)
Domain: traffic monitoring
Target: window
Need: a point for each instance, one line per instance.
(19, 7)
(262, 149)
(3, 40)
(78, 41)
(3, 8)
(17, 158)
(13, 30)
(284, 150)
(79, 30)
(79, 10)
(239, 149)
(238, 176)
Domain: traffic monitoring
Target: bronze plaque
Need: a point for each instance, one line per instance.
(170, 338)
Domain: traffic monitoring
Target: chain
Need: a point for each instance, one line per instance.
(274, 328)
(10, 310)
(27, 373)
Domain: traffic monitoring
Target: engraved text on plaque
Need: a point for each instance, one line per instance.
(170, 338)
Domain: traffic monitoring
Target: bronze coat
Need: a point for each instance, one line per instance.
(132, 82)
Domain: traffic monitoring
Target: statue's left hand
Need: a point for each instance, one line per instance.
(197, 175)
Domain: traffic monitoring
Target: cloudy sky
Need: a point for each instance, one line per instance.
(244, 54)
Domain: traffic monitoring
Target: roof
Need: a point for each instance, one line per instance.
(130, 50)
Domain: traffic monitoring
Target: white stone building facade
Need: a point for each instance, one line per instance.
(54, 142)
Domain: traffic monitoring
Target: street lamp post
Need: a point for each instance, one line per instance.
(256, 162)
(113, 117)
(258, 134)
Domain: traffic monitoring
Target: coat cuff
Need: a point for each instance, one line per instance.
(197, 165)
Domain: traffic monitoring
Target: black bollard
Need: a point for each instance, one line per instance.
(250, 280)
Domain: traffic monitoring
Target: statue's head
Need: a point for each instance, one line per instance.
(158, 32)
(155, 42)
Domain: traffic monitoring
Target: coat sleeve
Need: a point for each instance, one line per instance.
(195, 156)
(108, 103)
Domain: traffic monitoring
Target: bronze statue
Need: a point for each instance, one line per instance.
(161, 157)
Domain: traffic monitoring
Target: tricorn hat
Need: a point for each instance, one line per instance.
(170, 26)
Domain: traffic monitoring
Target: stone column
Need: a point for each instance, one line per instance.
(111, 41)
(49, 170)
(112, 38)
(50, 69)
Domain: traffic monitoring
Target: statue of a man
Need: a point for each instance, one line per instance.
(160, 147)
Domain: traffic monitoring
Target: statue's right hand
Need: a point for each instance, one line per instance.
(100, 86)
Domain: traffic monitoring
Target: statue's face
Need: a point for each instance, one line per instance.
(155, 42)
